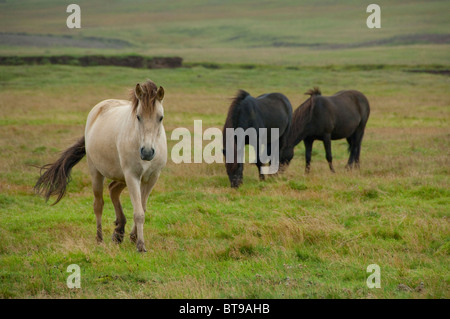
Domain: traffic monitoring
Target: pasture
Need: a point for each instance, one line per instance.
(291, 236)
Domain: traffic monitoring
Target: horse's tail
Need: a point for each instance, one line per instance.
(56, 176)
(313, 91)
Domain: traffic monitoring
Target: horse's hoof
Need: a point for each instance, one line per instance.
(141, 247)
(236, 184)
(117, 237)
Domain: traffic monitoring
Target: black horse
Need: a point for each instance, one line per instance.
(326, 118)
(267, 111)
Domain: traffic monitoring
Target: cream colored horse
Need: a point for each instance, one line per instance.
(124, 141)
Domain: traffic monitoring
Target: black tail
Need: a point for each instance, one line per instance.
(56, 176)
(313, 91)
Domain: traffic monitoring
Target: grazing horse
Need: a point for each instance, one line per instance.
(124, 141)
(326, 118)
(267, 111)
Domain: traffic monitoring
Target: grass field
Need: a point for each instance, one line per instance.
(292, 236)
(290, 32)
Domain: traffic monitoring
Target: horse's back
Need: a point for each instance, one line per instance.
(342, 112)
(104, 121)
(353, 99)
(106, 109)
(103, 127)
(276, 111)
(275, 102)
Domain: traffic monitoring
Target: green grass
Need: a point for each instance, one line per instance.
(293, 236)
(292, 33)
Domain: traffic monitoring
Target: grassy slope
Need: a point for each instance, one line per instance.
(240, 31)
(292, 236)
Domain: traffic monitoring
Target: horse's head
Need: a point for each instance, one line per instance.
(287, 153)
(235, 173)
(149, 113)
(234, 169)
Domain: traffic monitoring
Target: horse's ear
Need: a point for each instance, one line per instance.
(138, 91)
(160, 93)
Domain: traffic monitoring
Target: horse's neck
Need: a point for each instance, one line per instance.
(300, 125)
(296, 135)
(127, 130)
(245, 117)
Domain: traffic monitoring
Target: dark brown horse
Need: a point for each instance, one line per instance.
(265, 113)
(326, 118)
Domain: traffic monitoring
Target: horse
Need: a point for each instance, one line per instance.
(124, 141)
(267, 111)
(327, 118)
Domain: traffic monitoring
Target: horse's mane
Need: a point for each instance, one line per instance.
(149, 90)
(229, 122)
(240, 96)
(302, 115)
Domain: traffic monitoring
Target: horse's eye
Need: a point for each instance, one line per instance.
(138, 118)
(161, 118)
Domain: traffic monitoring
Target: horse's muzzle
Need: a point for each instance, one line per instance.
(147, 154)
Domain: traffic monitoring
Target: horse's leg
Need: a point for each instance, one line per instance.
(259, 165)
(351, 157)
(327, 144)
(146, 189)
(282, 166)
(258, 162)
(308, 150)
(115, 188)
(137, 234)
(134, 188)
(273, 161)
(359, 138)
(355, 148)
(97, 187)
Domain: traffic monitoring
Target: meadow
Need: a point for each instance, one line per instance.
(291, 236)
